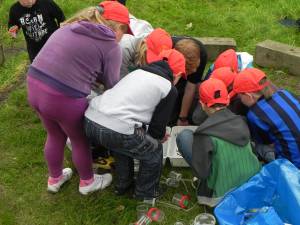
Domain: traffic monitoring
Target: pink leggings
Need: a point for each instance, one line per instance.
(62, 116)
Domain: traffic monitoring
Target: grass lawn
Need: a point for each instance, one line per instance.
(23, 172)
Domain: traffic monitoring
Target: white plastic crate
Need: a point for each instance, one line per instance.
(173, 154)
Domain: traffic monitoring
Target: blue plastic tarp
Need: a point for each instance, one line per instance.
(270, 197)
(267, 216)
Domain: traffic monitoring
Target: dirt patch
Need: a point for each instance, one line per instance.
(6, 91)
(11, 52)
(2, 190)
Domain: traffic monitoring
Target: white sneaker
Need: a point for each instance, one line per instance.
(66, 175)
(100, 182)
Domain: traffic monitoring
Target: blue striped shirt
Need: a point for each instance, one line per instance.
(279, 118)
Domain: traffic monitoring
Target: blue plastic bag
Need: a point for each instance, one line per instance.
(277, 185)
(264, 216)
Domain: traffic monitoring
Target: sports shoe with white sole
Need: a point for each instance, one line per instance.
(66, 175)
(100, 182)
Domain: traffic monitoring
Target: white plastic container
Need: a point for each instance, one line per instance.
(204, 219)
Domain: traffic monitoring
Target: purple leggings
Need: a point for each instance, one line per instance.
(62, 117)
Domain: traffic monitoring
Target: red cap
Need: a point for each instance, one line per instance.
(225, 74)
(113, 10)
(156, 41)
(213, 91)
(227, 59)
(248, 81)
(175, 60)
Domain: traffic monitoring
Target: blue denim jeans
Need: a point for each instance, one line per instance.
(139, 146)
(184, 142)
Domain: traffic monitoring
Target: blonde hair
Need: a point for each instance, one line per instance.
(267, 91)
(191, 52)
(92, 14)
(140, 58)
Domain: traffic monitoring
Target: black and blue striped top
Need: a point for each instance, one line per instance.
(279, 119)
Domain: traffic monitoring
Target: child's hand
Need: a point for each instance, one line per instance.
(13, 31)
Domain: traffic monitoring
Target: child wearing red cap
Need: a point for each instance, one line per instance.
(237, 61)
(38, 19)
(274, 116)
(136, 50)
(219, 151)
(227, 75)
(118, 119)
(83, 50)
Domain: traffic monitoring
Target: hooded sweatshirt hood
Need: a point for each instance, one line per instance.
(96, 31)
(160, 68)
(227, 126)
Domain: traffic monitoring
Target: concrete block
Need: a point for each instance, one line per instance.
(217, 45)
(279, 56)
(2, 58)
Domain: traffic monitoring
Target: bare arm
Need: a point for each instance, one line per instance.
(189, 94)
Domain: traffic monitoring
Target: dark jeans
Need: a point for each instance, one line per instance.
(126, 147)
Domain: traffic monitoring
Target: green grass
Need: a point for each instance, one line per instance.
(23, 172)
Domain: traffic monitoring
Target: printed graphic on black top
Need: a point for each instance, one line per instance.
(34, 25)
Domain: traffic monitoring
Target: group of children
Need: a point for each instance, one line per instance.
(151, 81)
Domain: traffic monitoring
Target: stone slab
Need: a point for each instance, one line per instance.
(217, 45)
(279, 56)
(2, 58)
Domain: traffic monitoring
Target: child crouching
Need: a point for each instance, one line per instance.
(118, 118)
(274, 116)
(219, 150)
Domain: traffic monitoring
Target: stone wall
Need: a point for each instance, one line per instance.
(279, 56)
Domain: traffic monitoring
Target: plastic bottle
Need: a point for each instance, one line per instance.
(144, 220)
(156, 215)
(181, 200)
(204, 219)
(141, 210)
(173, 179)
(153, 214)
